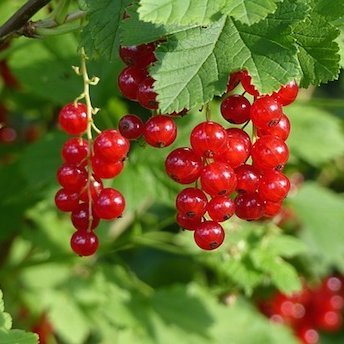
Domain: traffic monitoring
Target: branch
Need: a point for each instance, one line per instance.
(21, 17)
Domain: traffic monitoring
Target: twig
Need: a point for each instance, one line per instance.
(21, 17)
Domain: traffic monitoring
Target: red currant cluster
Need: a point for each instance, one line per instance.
(309, 311)
(86, 163)
(217, 162)
(134, 81)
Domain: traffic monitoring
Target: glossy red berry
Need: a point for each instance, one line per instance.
(238, 148)
(265, 112)
(160, 131)
(129, 80)
(209, 235)
(191, 202)
(272, 208)
(105, 169)
(189, 223)
(81, 218)
(274, 186)
(269, 152)
(287, 93)
(208, 139)
(218, 178)
(84, 243)
(96, 186)
(183, 165)
(220, 208)
(236, 109)
(138, 55)
(8, 135)
(131, 127)
(72, 177)
(233, 81)
(330, 321)
(308, 335)
(248, 178)
(73, 119)
(111, 146)
(75, 151)
(248, 206)
(246, 82)
(66, 200)
(280, 130)
(146, 95)
(110, 204)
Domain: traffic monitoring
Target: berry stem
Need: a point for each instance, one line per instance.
(207, 112)
(90, 111)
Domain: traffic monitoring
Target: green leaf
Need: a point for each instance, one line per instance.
(321, 212)
(284, 245)
(250, 11)
(282, 274)
(318, 52)
(333, 9)
(134, 31)
(8, 336)
(307, 140)
(204, 12)
(194, 65)
(100, 37)
(180, 12)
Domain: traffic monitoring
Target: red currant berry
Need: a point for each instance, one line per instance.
(72, 177)
(274, 186)
(111, 146)
(73, 119)
(218, 178)
(75, 151)
(272, 208)
(333, 284)
(330, 321)
(191, 202)
(287, 93)
(269, 153)
(129, 80)
(221, 208)
(110, 204)
(160, 131)
(280, 130)
(186, 222)
(138, 55)
(209, 235)
(248, 178)
(66, 200)
(248, 206)
(246, 82)
(131, 127)
(81, 218)
(238, 148)
(96, 186)
(84, 243)
(234, 80)
(265, 112)
(308, 335)
(236, 109)
(183, 165)
(146, 95)
(105, 169)
(7, 135)
(208, 139)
